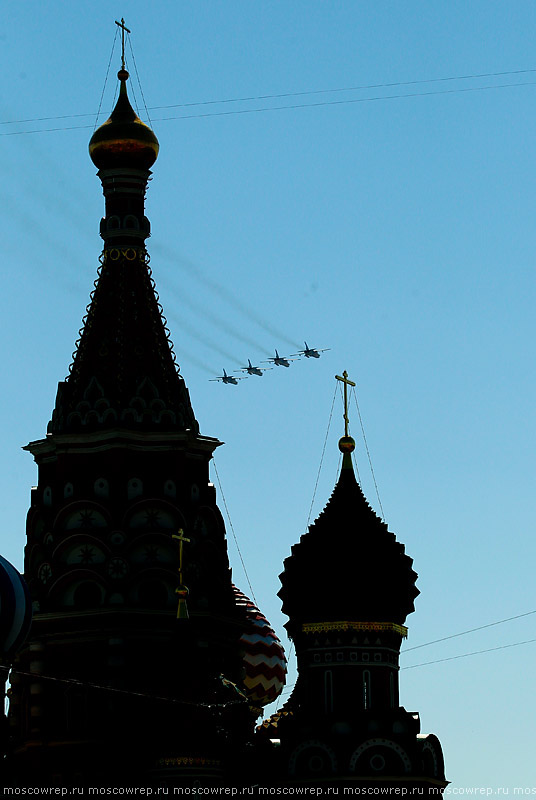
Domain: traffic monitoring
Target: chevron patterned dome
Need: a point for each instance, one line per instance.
(265, 665)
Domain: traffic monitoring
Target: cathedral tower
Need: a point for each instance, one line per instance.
(130, 670)
(347, 589)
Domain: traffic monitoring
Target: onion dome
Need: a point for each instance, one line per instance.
(348, 566)
(15, 610)
(123, 140)
(263, 655)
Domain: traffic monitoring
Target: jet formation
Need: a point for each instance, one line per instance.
(277, 360)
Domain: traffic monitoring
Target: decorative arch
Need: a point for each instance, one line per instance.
(153, 549)
(155, 589)
(153, 515)
(113, 223)
(87, 595)
(82, 515)
(312, 758)
(80, 550)
(35, 555)
(63, 590)
(432, 755)
(379, 755)
(132, 222)
(207, 521)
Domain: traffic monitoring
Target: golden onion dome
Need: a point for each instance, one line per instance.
(123, 140)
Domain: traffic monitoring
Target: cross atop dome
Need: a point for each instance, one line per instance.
(124, 30)
(346, 443)
(123, 140)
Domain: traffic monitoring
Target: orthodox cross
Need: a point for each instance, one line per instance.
(345, 380)
(181, 538)
(181, 590)
(123, 29)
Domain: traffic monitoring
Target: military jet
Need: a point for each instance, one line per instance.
(279, 361)
(311, 352)
(251, 370)
(228, 378)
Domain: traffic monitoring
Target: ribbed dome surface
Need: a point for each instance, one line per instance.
(348, 566)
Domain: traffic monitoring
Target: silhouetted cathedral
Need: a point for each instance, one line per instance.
(144, 665)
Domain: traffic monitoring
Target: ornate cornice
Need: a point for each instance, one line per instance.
(324, 627)
(123, 438)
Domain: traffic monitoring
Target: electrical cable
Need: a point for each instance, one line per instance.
(77, 682)
(471, 630)
(290, 94)
(234, 535)
(466, 655)
(138, 78)
(290, 107)
(105, 81)
(344, 89)
(368, 452)
(321, 459)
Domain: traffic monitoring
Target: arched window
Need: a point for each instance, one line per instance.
(47, 496)
(134, 488)
(113, 223)
(101, 487)
(170, 490)
(132, 222)
(68, 490)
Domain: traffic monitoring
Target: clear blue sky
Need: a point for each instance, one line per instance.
(398, 232)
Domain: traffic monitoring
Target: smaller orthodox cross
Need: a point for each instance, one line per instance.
(123, 29)
(181, 590)
(345, 380)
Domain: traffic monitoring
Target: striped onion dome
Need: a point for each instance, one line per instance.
(15, 610)
(263, 654)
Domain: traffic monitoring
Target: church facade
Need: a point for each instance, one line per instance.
(144, 664)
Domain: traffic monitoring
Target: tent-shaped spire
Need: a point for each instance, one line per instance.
(124, 372)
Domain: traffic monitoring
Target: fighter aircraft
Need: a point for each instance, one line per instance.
(279, 361)
(228, 378)
(251, 370)
(311, 352)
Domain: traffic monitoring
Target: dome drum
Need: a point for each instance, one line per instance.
(124, 193)
(118, 228)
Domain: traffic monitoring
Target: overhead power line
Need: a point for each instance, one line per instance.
(340, 102)
(345, 89)
(466, 655)
(471, 630)
(234, 535)
(290, 106)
